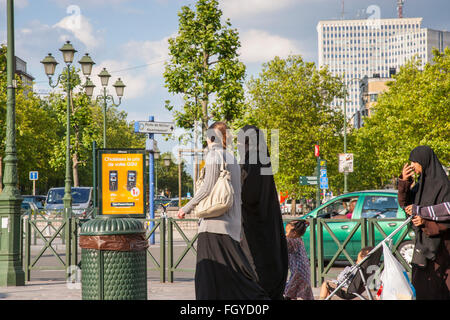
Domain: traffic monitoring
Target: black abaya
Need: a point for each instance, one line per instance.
(430, 262)
(223, 271)
(264, 235)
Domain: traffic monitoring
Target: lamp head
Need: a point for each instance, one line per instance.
(68, 52)
(49, 63)
(86, 64)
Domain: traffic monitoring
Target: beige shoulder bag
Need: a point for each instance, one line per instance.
(220, 199)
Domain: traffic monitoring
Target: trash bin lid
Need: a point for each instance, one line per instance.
(107, 225)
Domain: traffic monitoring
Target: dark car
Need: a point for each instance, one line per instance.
(39, 201)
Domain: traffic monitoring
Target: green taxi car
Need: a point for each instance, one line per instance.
(379, 204)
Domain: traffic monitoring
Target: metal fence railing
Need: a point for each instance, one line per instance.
(174, 239)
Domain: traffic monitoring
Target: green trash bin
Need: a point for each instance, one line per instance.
(113, 259)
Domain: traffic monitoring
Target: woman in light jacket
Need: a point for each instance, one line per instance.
(223, 271)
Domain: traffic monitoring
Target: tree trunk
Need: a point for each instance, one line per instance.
(204, 100)
(1, 174)
(75, 163)
(293, 208)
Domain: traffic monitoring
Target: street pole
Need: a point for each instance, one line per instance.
(318, 183)
(151, 193)
(67, 199)
(345, 139)
(11, 268)
(94, 174)
(104, 117)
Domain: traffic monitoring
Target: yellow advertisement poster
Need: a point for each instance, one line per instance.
(122, 182)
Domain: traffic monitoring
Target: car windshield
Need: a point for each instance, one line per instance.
(79, 195)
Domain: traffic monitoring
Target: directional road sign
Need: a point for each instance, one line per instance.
(34, 175)
(308, 180)
(154, 127)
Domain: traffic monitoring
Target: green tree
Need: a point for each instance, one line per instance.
(35, 132)
(414, 111)
(293, 96)
(81, 133)
(204, 67)
(168, 177)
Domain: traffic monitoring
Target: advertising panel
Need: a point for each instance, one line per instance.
(121, 182)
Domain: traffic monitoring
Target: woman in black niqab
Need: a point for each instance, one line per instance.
(431, 257)
(263, 233)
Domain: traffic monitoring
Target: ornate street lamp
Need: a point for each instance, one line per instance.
(118, 85)
(50, 63)
(167, 160)
(11, 269)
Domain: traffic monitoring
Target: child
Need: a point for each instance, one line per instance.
(299, 284)
(330, 285)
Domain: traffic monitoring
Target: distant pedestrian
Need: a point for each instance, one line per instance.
(299, 284)
(223, 271)
(431, 257)
(263, 234)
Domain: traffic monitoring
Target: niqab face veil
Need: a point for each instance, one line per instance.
(433, 184)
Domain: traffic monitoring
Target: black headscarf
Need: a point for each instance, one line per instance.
(432, 188)
(433, 185)
(264, 235)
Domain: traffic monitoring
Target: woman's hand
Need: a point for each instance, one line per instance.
(407, 172)
(181, 214)
(408, 210)
(418, 221)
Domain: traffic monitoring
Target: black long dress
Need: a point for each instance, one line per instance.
(431, 258)
(264, 235)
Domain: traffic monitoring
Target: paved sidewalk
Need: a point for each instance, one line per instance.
(59, 290)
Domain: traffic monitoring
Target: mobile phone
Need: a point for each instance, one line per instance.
(113, 183)
(131, 179)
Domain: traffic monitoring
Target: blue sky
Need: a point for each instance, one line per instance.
(129, 37)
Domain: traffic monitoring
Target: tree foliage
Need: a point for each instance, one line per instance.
(204, 67)
(293, 96)
(41, 133)
(168, 177)
(414, 111)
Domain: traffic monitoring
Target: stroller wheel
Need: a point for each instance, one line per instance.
(406, 250)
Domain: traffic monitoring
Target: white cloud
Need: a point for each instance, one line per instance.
(151, 53)
(261, 46)
(137, 83)
(245, 8)
(81, 28)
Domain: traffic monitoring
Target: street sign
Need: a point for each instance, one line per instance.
(323, 173)
(154, 127)
(346, 162)
(323, 183)
(308, 180)
(34, 175)
(316, 150)
(323, 164)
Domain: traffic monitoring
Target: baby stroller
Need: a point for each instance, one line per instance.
(356, 278)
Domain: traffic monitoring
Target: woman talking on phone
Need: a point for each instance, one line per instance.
(431, 257)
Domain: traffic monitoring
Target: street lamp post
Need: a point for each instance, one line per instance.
(345, 132)
(105, 97)
(11, 268)
(50, 64)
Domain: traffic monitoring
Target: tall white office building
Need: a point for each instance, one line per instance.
(353, 49)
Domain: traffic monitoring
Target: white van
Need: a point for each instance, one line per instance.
(81, 200)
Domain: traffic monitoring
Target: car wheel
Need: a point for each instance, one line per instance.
(406, 250)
